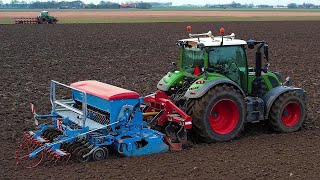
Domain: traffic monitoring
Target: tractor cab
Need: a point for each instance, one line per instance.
(205, 57)
(45, 18)
(44, 13)
(221, 55)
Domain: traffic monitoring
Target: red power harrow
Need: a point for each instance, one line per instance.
(26, 20)
(170, 116)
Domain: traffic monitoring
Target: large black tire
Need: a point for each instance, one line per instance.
(43, 20)
(53, 21)
(219, 115)
(287, 113)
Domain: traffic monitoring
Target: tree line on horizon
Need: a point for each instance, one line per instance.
(239, 5)
(16, 4)
(78, 4)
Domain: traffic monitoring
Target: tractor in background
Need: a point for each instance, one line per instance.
(43, 18)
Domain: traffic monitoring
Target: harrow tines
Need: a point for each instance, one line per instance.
(48, 153)
(27, 146)
(69, 155)
(20, 158)
(56, 155)
(51, 155)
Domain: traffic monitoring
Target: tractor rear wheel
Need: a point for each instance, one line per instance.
(53, 21)
(287, 113)
(43, 20)
(219, 115)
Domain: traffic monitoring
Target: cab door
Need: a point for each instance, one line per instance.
(230, 61)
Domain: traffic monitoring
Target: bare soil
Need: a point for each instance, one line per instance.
(136, 56)
(144, 14)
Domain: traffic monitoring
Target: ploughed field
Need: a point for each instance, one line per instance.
(135, 57)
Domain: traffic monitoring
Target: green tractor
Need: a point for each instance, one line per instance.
(215, 87)
(45, 18)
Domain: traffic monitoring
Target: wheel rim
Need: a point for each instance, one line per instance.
(99, 154)
(224, 116)
(291, 114)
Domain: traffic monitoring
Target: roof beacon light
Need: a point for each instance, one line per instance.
(189, 28)
(222, 31)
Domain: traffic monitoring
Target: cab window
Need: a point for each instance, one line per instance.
(227, 55)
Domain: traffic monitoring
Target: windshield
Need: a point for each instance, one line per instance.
(191, 58)
(44, 13)
(227, 55)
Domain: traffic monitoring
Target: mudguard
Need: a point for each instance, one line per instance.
(274, 93)
(197, 93)
(162, 86)
(169, 80)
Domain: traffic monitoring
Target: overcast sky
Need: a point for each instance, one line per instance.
(203, 2)
(269, 2)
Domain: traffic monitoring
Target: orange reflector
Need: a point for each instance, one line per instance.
(189, 28)
(192, 43)
(222, 31)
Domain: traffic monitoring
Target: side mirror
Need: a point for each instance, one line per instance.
(175, 66)
(251, 43)
(251, 46)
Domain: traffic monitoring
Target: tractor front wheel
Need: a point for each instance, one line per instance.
(219, 115)
(287, 113)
